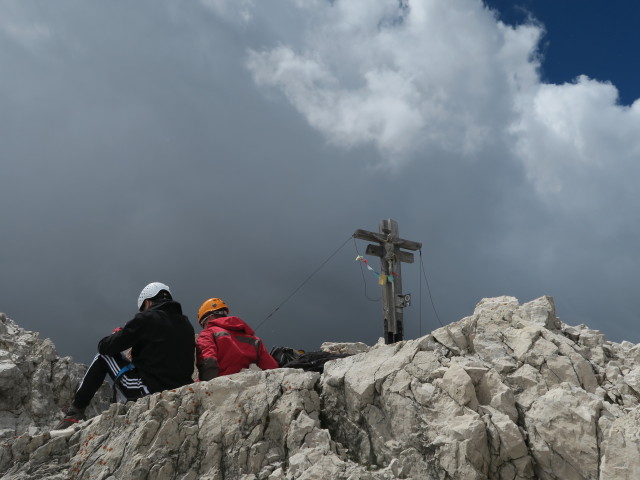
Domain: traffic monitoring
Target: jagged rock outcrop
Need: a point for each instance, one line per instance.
(35, 384)
(507, 393)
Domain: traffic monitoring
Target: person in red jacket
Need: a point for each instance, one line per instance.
(227, 344)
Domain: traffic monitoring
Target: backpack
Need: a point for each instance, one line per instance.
(307, 361)
(284, 355)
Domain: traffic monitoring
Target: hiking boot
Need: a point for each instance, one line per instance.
(73, 416)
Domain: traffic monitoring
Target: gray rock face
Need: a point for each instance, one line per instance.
(35, 384)
(507, 393)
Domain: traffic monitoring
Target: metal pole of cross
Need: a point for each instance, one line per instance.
(388, 249)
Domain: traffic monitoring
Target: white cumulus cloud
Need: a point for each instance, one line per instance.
(566, 133)
(402, 75)
(411, 77)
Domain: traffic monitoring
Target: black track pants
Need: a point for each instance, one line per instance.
(130, 383)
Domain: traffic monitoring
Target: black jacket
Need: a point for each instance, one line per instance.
(162, 342)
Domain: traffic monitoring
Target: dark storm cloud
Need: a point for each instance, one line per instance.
(138, 147)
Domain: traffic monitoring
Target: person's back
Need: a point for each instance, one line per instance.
(162, 345)
(227, 344)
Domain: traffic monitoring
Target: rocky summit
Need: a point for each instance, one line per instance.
(507, 393)
(35, 384)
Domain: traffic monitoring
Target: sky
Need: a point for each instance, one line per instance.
(230, 148)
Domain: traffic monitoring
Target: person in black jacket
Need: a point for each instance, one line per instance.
(162, 344)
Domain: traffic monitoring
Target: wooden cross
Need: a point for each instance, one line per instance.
(388, 249)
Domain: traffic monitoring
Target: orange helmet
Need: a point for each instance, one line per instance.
(209, 306)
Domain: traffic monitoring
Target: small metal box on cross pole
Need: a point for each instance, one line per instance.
(388, 249)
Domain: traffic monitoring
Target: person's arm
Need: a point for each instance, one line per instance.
(121, 339)
(207, 356)
(265, 360)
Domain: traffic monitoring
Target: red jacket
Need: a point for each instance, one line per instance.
(226, 346)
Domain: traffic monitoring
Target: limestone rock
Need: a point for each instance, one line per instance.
(620, 447)
(508, 393)
(35, 384)
(342, 347)
(562, 427)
